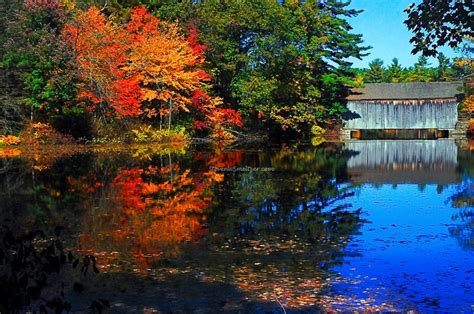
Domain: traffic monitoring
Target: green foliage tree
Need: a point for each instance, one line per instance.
(376, 72)
(12, 111)
(280, 63)
(437, 23)
(444, 70)
(37, 50)
(283, 62)
(395, 72)
(420, 72)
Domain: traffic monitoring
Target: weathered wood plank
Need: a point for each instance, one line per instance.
(402, 115)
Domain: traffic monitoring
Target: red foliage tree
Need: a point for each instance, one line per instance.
(145, 67)
(101, 51)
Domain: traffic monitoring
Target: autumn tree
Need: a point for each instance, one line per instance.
(214, 118)
(101, 50)
(144, 68)
(165, 63)
(282, 64)
(465, 66)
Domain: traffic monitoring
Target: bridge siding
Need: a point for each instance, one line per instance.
(399, 115)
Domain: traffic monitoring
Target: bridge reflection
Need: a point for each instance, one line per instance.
(404, 161)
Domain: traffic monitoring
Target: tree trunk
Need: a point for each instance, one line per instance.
(169, 117)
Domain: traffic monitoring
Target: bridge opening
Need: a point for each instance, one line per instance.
(399, 134)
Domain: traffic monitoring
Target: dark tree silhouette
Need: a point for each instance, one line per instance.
(437, 23)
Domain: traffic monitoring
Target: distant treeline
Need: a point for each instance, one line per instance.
(421, 71)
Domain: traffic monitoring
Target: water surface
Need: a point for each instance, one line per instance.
(365, 225)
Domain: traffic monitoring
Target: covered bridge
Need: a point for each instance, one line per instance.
(393, 107)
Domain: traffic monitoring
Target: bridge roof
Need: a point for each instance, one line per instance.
(407, 91)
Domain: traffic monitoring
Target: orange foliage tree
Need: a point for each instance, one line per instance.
(169, 69)
(101, 50)
(145, 67)
(217, 119)
(165, 62)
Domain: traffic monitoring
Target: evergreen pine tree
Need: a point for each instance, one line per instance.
(394, 72)
(376, 72)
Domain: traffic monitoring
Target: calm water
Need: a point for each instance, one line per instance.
(367, 225)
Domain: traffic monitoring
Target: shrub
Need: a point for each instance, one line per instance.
(9, 152)
(9, 140)
(317, 133)
(44, 133)
(470, 130)
(150, 134)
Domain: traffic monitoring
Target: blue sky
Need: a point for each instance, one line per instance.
(381, 25)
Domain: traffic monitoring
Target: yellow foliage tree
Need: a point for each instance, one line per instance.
(166, 64)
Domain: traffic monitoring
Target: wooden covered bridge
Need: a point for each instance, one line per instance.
(403, 110)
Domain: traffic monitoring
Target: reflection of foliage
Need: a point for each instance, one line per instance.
(220, 159)
(148, 151)
(317, 133)
(57, 195)
(464, 200)
(9, 152)
(466, 161)
(274, 234)
(285, 228)
(45, 156)
(9, 140)
(464, 232)
(154, 211)
(465, 197)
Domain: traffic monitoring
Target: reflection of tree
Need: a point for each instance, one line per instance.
(11, 181)
(41, 198)
(223, 159)
(464, 200)
(285, 228)
(301, 196)
(154, 210)
(466, 161)
(274, 234)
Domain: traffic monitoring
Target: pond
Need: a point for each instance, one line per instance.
(363, 225)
